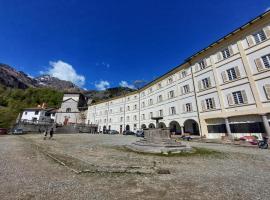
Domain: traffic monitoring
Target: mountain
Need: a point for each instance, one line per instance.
(12, 78)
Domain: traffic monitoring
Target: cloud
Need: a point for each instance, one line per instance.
(64, 71)
(102, 85)
(125, 84)
(104, 64)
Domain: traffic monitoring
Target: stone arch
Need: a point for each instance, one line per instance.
(175, 127)
(151, 125)
(143, 126)
(161, 125)
(127, 127)
(104, 129)
(191, 127)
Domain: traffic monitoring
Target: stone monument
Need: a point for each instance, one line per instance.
(158, 140)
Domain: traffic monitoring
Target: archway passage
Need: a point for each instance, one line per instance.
(104, 129)
(161, 125)
(143, 126)
(151, 125)
(191, 127)
(175, 127)
(127, 128)
(121, 128)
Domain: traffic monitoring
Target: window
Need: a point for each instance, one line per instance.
(150, 102)
(209, 103)
(121, 109)
(171, 94)
(143, 116)
(184, 74)
(226, 53)
(186, 89)
(67, 110)
(25, 113)
(128, 98)
(151, 115)
(159, 98)
(150, 90)
(121, 119)
(143, 104)
(105, 120)
(135, 117)
(135, 106)
(231, 74)
(266, 61)
(188, 107)
(110, 110)
(172, 111)
(170, 80)
(267, 90)
(259, 37)
(202, 64)
(135, 97)
(160, 113)
(237, 97)
(127, 118)
(110, 120)
(206, 83)
(159, 85)
(143, 94)
(128, 108)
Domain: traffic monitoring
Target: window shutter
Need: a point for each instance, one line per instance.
(182, 90)
(197, 67)
(267, 31)
(259, 64)
(213, 102)
(204, 62)
(224, 76)
(203, 105)
(237, 72)
(219, 56)
(191, 108)
(230, 48)
(244, 95)
(267, 90)
(230, 99)
(200, 85)
(250, 40)
(188, 88)
(209, 82)
(184, 108)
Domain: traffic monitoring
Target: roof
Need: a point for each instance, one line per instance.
(36, 109)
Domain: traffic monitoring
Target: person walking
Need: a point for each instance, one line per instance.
(45, 134)
(51, 133)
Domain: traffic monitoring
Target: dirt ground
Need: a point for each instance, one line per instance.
(85, 166)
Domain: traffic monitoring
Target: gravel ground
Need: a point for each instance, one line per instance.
(27, 173)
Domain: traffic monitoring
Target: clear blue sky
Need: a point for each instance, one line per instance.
(113, 40)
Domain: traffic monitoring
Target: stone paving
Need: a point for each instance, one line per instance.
(26, 171)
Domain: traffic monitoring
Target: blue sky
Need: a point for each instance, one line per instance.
(104, 43)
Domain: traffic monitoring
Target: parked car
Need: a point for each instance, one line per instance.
(113, 132)
(17, 131)
(140, 133)
(128, 133)
(3, 131)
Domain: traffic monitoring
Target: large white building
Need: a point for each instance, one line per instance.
(223, 89)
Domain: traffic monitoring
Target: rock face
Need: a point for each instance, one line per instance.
(10, 77)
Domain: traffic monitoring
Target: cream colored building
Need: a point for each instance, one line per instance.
(222, 90)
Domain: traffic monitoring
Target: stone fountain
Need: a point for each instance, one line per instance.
(158, 140)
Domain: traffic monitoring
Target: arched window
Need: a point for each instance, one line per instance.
(68, 110)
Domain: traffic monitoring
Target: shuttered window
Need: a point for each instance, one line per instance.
(206, 83)
(238, 97)
(259, 37)
(188, 107)
(186, 89)
(171, 94)
(172, 110)
(266, 61)
(225, 53)
(210, 103)
(231, 74)
(267, 90)
(202, 64)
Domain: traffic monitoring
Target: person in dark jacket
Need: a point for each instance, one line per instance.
(51, 133)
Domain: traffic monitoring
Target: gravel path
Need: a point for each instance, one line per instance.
(26, 173)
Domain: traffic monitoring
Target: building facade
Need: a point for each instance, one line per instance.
(37, 115)
(222, 90)
(72, 110)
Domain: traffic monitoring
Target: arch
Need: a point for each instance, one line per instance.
(104, 129)
(109, 127)
(151, 125)
(143, 126)
(161, 125)
(175, 127)
(191, 127)
(127, 127)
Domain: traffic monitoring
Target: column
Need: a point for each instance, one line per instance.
(228, 128)
(266, 125)
(182, 130)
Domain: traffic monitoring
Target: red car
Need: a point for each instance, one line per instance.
(3, 131)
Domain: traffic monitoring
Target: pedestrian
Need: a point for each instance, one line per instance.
(45, 134)
(51, 133)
